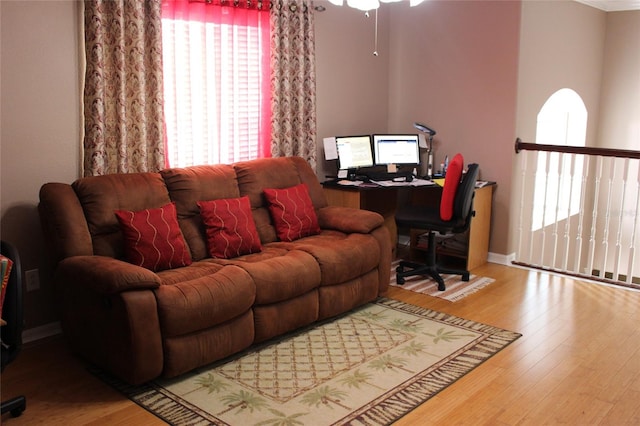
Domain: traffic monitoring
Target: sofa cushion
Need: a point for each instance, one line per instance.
(201, 303)
(342, 257)
(282, 172)
(278, 273)
(231, 231)
(100, 196)
(292, 212)
(153, 238)
(189, 185)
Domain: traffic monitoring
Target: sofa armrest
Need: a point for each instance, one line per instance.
(106, 275)
(349, 220)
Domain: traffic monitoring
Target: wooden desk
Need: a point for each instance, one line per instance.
(385, 200)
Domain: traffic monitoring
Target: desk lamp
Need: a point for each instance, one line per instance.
(431, 133)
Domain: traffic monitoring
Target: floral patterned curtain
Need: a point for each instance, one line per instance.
(293, 80)
(123, 87)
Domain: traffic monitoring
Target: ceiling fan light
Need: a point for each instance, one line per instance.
(337, 2)
(364, 5)
(415, 2)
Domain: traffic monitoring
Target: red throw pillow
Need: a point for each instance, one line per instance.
(152, 238)
(231, 231)
(292, 212)
(451, 182)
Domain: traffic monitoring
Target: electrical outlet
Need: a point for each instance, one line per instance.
(32, 278)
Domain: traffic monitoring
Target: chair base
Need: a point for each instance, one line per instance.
(433, 271)
(14, 405)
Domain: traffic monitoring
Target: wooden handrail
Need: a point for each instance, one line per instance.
(604, 152)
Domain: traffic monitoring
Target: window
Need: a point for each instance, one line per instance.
(562, 120)
(216, 82)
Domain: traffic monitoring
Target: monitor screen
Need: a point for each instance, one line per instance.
(396, 149)
(354, 151)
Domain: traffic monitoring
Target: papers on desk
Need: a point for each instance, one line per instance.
(350, 182)
(421, 182)
(385, 183)
(414, 182)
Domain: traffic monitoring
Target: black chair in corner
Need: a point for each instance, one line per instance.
(11, 333)
(428, 218)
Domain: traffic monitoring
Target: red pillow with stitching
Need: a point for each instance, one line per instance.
(292, 212)
(231, 231)
(451, 183)
(153, 238)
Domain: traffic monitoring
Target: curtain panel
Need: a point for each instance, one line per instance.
(123, 87)
(293, 80)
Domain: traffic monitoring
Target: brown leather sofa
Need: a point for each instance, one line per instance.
(139, 324)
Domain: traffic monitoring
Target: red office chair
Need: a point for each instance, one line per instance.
(452, 216)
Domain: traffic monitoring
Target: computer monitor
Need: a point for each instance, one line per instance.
(396, 149)
(354, 152)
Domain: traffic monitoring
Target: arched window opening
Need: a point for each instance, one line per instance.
(562, 120)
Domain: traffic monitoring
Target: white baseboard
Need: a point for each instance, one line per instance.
(502, 259)
(44, 331)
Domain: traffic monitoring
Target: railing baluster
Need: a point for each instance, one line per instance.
(607, 218)
(618, 255)
(594, 216)
(543, 232)
(567, 224)
(583, 200)
(523, 177)
(535, 182)
(634, 229)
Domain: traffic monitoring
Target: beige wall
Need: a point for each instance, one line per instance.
(561, 45)
(620, 101)
(40, 122)
(352, 93)
(454, 66)
(450, 64)
(566, 44)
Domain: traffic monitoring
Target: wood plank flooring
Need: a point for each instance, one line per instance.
(578, 362)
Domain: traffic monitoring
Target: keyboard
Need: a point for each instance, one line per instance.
(382, 176)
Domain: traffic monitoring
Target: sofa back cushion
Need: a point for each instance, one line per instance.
(190, 185)
(101, 196)
(275, 173)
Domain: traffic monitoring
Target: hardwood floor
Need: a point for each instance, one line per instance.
(578, 362)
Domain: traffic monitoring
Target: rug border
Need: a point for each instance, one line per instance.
(388, 407)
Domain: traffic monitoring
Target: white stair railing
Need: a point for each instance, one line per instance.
(592, 190)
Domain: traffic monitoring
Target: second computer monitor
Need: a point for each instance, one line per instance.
(396, 149)
(354, 152)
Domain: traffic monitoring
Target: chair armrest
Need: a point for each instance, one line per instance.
(349, 220)
(105, 275)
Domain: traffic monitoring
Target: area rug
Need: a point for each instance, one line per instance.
(369, 367)
(456, 289)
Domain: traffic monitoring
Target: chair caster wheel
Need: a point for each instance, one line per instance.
(399, 280)
(441, 287)
(465, 277)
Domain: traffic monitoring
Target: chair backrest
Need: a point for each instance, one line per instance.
(451, 183)
(464, 195)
